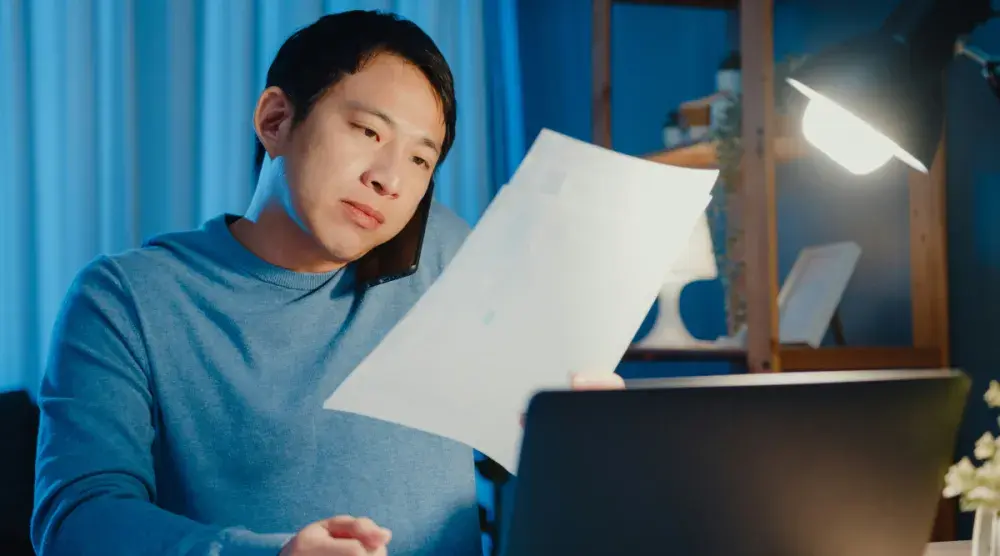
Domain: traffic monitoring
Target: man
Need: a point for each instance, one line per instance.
(182, 404)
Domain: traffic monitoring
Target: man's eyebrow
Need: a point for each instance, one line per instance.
(430, 145)
(426, 141)
(355, 105)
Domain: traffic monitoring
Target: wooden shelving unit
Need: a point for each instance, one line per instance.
(788, 144)
(767, 143)
(804, 358)
(702, 154)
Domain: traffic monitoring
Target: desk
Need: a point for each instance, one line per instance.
(953, 548)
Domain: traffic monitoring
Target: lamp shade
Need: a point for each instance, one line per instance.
(892, 79)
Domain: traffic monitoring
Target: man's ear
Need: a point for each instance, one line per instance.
(272, 119)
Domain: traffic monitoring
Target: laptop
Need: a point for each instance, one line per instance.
(845, 463)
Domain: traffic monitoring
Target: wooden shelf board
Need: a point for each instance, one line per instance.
(796, 358)
(858, 358)
(703, 155)
(698, 155)
(734, 355)
(708, 4)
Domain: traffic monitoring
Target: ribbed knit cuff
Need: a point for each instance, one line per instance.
(241, 542)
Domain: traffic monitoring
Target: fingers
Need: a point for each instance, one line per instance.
(364, 530)
(597, 381)
(592, 381)
(351, 547)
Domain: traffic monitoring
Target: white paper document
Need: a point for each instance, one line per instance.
(556, 278)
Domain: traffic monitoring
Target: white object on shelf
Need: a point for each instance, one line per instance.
(673, 136)
(728, 81)
(698, 132)
(696, 263)
(810, 294)
(813, 289)
(728, 86)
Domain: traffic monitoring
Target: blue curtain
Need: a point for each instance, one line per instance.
(121, 119)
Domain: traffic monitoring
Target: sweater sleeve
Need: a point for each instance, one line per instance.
(95, 485)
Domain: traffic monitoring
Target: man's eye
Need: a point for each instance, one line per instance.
(369, 132)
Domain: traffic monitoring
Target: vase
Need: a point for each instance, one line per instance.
(986, 533)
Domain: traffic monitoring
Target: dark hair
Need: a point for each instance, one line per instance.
(317, 57)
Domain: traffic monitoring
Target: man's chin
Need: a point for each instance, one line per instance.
(344, 252)
(339, 240)
(344, 257)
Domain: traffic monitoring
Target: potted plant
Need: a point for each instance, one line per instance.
(727, 134)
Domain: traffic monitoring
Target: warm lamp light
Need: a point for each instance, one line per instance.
(880, 96)
(846, 138)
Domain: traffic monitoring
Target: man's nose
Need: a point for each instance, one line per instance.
(383, 175)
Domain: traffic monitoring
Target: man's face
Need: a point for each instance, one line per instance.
(362, 160)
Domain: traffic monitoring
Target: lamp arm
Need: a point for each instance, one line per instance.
(989, 65)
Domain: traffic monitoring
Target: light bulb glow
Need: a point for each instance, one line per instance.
(846, 138)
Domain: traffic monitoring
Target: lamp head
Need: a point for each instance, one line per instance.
(880, 96)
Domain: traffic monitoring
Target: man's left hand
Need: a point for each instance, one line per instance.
(596, 381)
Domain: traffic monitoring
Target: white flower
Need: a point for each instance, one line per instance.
(978, 487)
(986, 447)
(988, 475)
(960, 479)
(992, 395)
(982, 496)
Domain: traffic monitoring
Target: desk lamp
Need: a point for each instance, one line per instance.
(880, 95)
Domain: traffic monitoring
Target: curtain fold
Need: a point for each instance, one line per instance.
(18, 268)
(123, 119)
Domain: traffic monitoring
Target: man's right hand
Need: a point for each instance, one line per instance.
(339, 536)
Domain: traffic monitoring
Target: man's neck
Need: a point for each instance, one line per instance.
(277, 239)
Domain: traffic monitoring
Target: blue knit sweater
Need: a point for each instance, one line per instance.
(182, 408)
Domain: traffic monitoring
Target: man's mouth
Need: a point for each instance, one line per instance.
(363, 215)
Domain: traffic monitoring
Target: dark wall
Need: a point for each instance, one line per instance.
(662, 56)
(973, 198)
(819, 203)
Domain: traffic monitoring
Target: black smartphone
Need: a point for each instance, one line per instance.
(400, 256)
